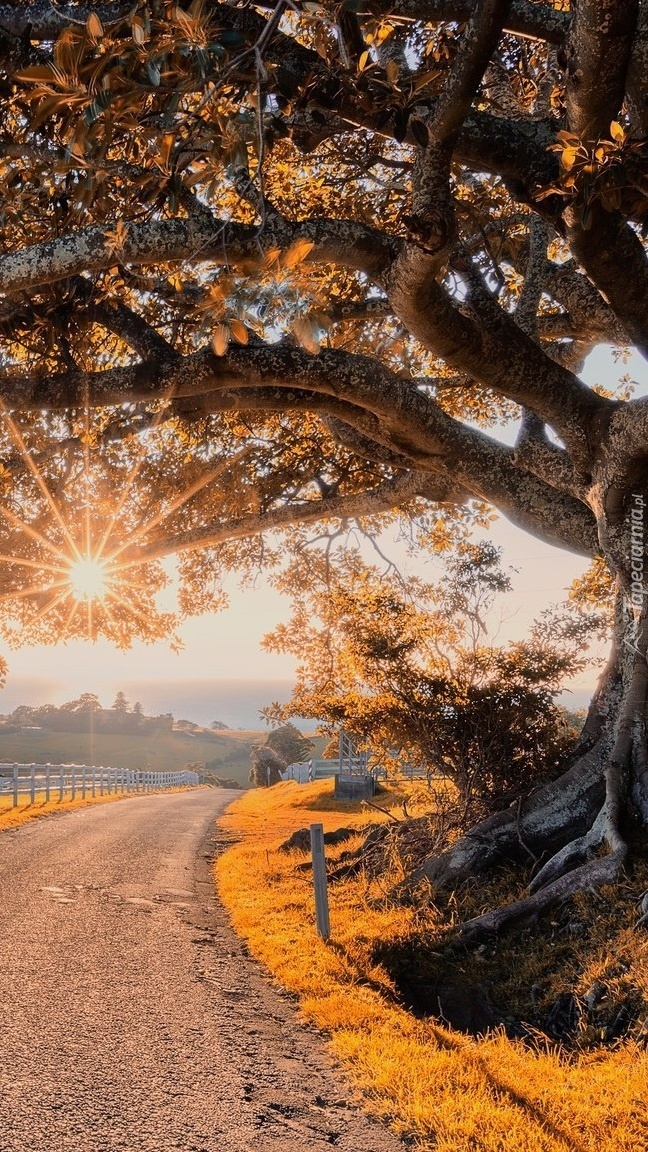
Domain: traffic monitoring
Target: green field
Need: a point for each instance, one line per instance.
(169, 751)
(164, 752)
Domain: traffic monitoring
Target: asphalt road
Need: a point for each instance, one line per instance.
(131, 1016)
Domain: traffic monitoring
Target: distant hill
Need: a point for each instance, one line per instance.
(162, 752)
(82, 731)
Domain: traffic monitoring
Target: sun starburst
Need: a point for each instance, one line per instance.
(89, 578)
(77, 556)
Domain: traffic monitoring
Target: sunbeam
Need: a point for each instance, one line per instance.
(18, 440)
(70, 557)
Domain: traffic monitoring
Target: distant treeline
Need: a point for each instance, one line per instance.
(87, 713)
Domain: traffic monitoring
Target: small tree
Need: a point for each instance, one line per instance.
(411, 672)
(291, 745)
(266, 768)
(120, 703)
(218, 726)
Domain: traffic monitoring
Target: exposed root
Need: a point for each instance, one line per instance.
(589, 876)
(556, 814)
(578, 851)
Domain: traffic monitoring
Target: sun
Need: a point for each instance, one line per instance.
(88, 578)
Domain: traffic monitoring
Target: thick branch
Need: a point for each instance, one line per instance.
(44, 20)
(599, 47)
(387, 496)
(192, 240)
(537, 21)
(494, 350)
(613, 257)
(638, 75)
(389, 409)
(475, 50)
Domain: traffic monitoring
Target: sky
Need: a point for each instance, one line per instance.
(222, 673)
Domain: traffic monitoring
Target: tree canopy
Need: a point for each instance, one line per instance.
(266, 266)
(270, 266)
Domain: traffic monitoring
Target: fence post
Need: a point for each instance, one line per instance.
(15, 786)
(48, 782)
(83, 782)
(101, 781)
(32, 783)
(94, 781)
(61, 783)
(319, 881)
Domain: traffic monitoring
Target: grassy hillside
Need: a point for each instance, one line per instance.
(165, 752)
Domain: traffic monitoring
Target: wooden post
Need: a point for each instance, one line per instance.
(48, 782)
(319, 881)
(61, 783)
(94, 781)
(74, 783)
(15, 785)
(32, 784)
(83, 782)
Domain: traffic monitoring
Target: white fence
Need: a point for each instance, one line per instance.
(57, 780)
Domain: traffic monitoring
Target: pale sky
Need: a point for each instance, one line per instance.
(225, 646)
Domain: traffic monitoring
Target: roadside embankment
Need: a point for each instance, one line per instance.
(446, 1090)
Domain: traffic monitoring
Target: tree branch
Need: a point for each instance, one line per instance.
(598, 51)
(386, 496)
(614, 258)
(192, 240)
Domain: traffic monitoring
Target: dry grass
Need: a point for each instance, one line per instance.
(447, 1091)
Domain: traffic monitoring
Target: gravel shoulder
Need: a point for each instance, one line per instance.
(132, 1017)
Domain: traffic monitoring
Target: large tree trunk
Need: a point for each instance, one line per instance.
(572, 833)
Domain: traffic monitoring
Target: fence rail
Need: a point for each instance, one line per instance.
(58, 780)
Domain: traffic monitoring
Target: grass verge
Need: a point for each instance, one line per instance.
(11, 817)
(446, 1091)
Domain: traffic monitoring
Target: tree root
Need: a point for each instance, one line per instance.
(577, 851)
(556, 815)
(589, 876)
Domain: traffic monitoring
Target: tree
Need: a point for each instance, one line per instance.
(266, 768)
(120, 703)
(87, 702)
(409, 669)
(218, 726)
(290, 744)
(271, 268)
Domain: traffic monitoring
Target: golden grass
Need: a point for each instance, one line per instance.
(449, 1092)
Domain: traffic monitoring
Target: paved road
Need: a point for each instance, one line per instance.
(130, 1016)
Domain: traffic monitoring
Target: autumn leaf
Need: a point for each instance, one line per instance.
(94, 26)
(307, 334)
(239, 331)
(616, 132)
(220, 339)
(568, 157)
(297, 252)
(138, 30)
